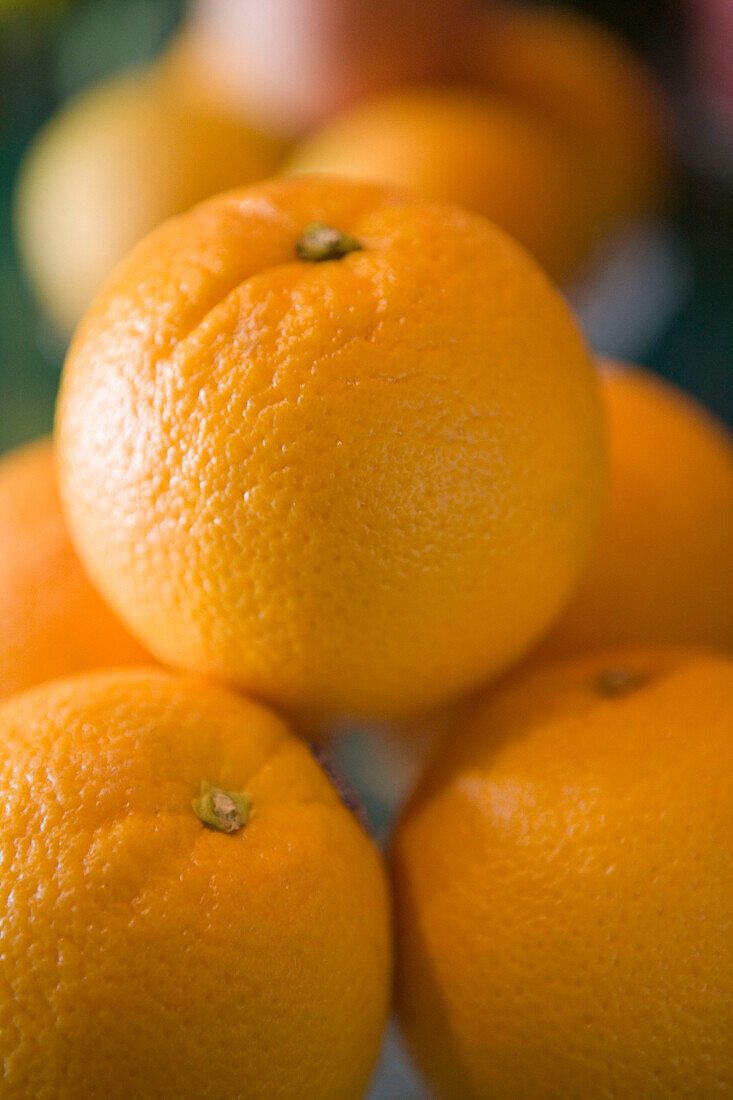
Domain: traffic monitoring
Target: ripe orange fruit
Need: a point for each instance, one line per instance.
(576, 75)
(145, 955)
(112, 164)
(463, 146)
(52, 622)
(359, 485)
(663, 567)
(563, 886)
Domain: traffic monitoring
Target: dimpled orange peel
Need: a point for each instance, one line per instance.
(189, 911)
(335, 445)
(563, 886)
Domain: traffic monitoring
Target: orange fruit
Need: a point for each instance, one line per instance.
(662, 570)
(463, 146)
(563, 886)
(52, 621)
(577, 76)
(112, 164)
(145, 955)
(358, 485)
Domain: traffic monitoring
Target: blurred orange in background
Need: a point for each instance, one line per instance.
(590, 86)
(112, 164)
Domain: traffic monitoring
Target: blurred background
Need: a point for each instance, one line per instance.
(223, 93)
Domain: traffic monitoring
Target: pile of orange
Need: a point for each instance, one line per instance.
(327, 450)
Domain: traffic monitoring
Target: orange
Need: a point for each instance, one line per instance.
(52, 622)
(145, 955)
(563, 886)
(663, 567)
(362, 484)
(112, 164)
(463, 146)
(577, 76)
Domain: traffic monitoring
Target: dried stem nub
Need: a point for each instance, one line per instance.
(618, 681)
(225, 811)
(322, 242)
